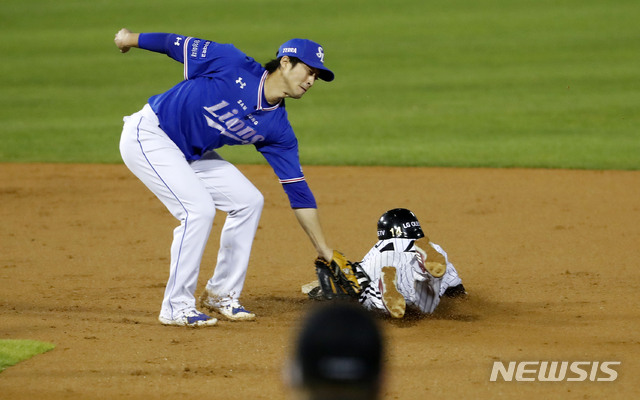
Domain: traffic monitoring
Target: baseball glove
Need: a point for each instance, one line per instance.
(339, 278)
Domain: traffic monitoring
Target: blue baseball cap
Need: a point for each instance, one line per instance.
(310, 53)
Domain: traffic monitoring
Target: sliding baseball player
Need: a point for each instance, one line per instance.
(403, 270)
(406, 269)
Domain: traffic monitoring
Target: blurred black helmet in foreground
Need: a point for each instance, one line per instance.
(338, 354)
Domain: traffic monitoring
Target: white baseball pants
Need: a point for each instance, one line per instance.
(192, 191)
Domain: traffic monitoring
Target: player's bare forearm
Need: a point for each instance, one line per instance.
(125, 39)
(310, 222)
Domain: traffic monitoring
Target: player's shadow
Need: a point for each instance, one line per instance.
(473, 307)
(453, 309)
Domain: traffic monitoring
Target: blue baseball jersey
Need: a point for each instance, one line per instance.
(221, 102)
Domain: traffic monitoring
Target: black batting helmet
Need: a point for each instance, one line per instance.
(399, 223)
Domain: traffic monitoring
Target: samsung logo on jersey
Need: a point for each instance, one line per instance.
(555, 371)
(290, 50)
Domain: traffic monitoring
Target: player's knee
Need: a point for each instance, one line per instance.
(257, 201)
(203, 212)
(247, 204)
(253, 201)
(208, 214)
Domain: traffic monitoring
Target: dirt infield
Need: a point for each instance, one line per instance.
(550, 259)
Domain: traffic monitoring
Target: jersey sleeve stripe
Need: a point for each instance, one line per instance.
(185, 51)
(292, 180)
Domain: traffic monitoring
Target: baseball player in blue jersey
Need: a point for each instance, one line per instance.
(226, 98)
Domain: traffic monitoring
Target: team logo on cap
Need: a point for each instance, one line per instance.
(320, 54)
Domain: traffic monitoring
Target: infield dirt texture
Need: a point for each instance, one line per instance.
(549, 257)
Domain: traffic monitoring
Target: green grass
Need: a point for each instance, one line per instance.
(497, 83)
(14, 351)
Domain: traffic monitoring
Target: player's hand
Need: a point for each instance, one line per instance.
(124, 40)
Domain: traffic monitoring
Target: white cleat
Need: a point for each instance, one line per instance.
(232, 310)
(194, 319)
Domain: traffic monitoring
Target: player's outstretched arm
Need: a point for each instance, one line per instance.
(310, 222)
(125, 39)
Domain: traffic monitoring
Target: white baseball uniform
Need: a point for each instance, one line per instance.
(420, 289)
